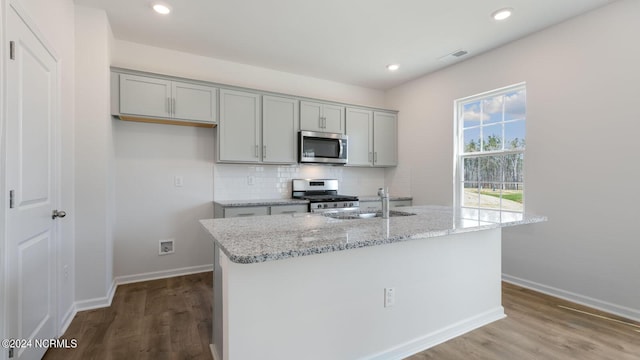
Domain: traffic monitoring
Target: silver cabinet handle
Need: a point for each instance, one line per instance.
(247, 214)
(58, 214)
(264, 151)
(256, 150)
(324, 122)
(288, 212)
(375, 157)
(169, 106)
(173, 106)
(320, 122)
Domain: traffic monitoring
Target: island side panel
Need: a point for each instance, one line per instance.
(217, 318)
(331, 306)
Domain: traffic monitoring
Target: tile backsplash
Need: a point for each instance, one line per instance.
(245, 182)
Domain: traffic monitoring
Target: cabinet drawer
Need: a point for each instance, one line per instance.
(370, 205)
(289, 209)
(246, 211)
(399, 203)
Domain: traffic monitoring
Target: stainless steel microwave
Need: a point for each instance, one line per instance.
(322, 148)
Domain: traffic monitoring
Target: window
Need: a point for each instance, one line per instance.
(489, 150)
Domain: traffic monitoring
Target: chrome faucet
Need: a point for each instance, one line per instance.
(384, 198)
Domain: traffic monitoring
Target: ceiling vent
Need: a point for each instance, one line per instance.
(453, 56)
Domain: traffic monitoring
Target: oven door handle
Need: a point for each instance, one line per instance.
(341, 149)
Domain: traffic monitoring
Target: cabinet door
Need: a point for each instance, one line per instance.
(385, 134)
(144, 96)
(194, 102)
(360, 132)
(279, 129)
(311, 116)
(333, 118)
(239, 126)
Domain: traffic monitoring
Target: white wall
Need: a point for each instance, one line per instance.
(150, 208)
(55, 20)
(581, 160)
(94, 154)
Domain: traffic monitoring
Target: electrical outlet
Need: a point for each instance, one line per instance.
(389, 297)
(178, 181)
(166, 247)
(251, 180)
(65, 272)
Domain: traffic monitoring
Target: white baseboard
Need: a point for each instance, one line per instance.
(629, 313)
(97, 303)
(214, 353)
(127, 279)
(438, 337)
(66, 319)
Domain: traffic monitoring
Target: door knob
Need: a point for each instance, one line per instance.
(57, 214)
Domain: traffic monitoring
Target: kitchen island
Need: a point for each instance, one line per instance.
(310, 286)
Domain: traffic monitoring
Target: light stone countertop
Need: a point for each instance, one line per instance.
(257, 239)
(377, 198)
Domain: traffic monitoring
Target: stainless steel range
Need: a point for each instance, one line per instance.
(323, 195)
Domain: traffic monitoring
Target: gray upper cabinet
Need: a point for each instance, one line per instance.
(279, 129)
(385, 139)
(145, 96)
(321, 117)
(372, 138)
(360, 132)
(239, 126)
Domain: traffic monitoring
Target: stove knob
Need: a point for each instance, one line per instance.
(319, 206)
(350, 204)
(325, 206)
(335, 205)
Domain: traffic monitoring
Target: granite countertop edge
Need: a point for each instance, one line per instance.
(327, 248)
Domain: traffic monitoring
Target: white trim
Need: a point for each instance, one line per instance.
(438, 337)
(127, 279)
(66, 319)
(3, 188)
(214, 353)
(97, 303)
(626, 312)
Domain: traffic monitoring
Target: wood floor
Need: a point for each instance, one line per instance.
(171, 319)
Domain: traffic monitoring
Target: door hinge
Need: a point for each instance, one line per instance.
(11, 196)
(12, 50)
(10, 353)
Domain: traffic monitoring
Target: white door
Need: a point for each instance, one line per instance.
(32, 93)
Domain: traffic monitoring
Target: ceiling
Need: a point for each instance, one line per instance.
(349, 41)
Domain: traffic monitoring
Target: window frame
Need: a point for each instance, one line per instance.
(458, 152)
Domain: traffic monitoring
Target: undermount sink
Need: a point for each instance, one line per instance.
(353, 215)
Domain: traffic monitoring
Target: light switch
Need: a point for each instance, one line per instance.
(178, 181)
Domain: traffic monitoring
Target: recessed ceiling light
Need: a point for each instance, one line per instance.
(502, 14)
(161, 8)
(393, 67)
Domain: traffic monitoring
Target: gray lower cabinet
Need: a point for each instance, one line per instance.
(377, 205)
(221, 211)
(372, 138)
(156, 97)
